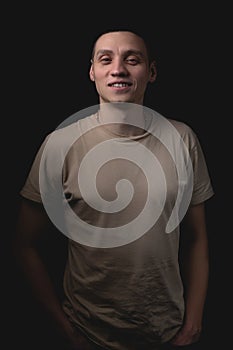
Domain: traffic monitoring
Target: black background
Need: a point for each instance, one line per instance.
(46, 57)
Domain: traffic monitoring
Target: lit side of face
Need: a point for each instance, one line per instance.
(120, 68)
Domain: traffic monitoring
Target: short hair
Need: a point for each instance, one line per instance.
(149, 44)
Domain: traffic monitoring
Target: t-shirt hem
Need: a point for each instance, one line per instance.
(203, 198)
(31, 196)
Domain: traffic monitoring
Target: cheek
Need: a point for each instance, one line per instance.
(100, 87)
(99, 73)
(141, 83)
(142, 77)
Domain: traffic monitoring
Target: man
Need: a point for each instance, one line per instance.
(122, 290)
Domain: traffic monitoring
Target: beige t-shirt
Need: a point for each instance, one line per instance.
(122, 280)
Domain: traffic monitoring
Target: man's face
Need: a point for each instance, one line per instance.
(120, 68)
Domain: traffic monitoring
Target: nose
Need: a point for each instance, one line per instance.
(118, 68)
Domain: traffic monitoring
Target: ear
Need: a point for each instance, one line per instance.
(153, 72)
(91, 74)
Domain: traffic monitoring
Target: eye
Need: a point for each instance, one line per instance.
(105, 59)
(133, 60)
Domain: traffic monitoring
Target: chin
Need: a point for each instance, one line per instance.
(122, 100)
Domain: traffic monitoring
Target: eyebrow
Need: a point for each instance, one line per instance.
(127, 53)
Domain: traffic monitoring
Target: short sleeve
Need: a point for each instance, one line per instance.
(202, 186)
(31, 188)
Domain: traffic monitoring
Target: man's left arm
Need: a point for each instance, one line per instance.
(195, 272)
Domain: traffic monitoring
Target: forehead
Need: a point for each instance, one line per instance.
(120, 42)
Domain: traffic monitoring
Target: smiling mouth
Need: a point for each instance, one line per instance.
(120, 85)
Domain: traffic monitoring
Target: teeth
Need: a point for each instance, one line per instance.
(119, 85)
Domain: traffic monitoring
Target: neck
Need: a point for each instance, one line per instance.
(123, 119)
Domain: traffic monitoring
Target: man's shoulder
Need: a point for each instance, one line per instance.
(181, 126)
(69, 131)
(76, 121)
(174, 129)
(184, 129)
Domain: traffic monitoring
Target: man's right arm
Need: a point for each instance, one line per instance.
(32, 223)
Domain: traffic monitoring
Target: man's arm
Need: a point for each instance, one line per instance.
(195, 269)
(31, 225)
